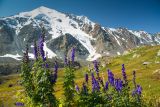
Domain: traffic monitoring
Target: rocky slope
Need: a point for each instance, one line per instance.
(64, 31)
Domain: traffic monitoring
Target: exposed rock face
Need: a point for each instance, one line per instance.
(64, 31)
(64, 43)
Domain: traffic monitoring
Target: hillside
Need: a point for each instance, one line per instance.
(144, 60)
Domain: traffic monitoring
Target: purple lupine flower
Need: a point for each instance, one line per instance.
(96, 66)
(93, 79)
(95, 84)
(110, 77)
(77, 88)
(72, 54)
(106, 86)
(134, 92)
(56, 67)
(53, 77)
(124, 73)
(134, 78)
(118, 84)
(139, 90)
(35, 51)
(46, 65)
(65, 60)
(86, 78)
(41, 45)
(19, 104)
(84, 88)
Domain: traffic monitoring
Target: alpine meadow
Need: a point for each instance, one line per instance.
(50, 58)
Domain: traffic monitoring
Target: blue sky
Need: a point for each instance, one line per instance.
(132, 14)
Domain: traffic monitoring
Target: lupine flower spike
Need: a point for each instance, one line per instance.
(124, 74)
(73, 55)
(96, 66)
(95, 84)
(134, 78)
(41, 45)
(110, 77)
(65, 60)
(84, 88)
(86, 78)
(19, 104)
(54, 76)
(106, 86)
(118, 84)
(77, 88)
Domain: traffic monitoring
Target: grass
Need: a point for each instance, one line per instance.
(133, 61)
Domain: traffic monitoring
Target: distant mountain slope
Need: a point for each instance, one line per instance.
(64, 31)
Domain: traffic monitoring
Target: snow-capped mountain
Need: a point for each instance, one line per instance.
(64, 31)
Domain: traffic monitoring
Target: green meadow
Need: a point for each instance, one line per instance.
(144, 60)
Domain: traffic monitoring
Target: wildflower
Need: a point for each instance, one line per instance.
(53, 77)
(84, 88)
(65, 60)
(134, 78)
(55, 67)
(41, 48)
(77, 88)
(106, 86)
(133, 92)
(73, 54)
(96, 66)
(110, 77)
(86, 78)
(139, 90)
(95, 84)
(124, 73)
(19, 104)
(118, 84)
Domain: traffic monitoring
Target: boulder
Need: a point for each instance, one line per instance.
(146, 63)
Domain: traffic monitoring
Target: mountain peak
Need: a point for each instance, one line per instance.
(44, 9)
(40, 10)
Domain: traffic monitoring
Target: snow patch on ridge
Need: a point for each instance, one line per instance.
(50, 53)
(16, 57)
(140, 34)
(113, 29)
(93, 57)
(31, 55)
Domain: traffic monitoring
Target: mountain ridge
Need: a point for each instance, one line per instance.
(17, 30)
